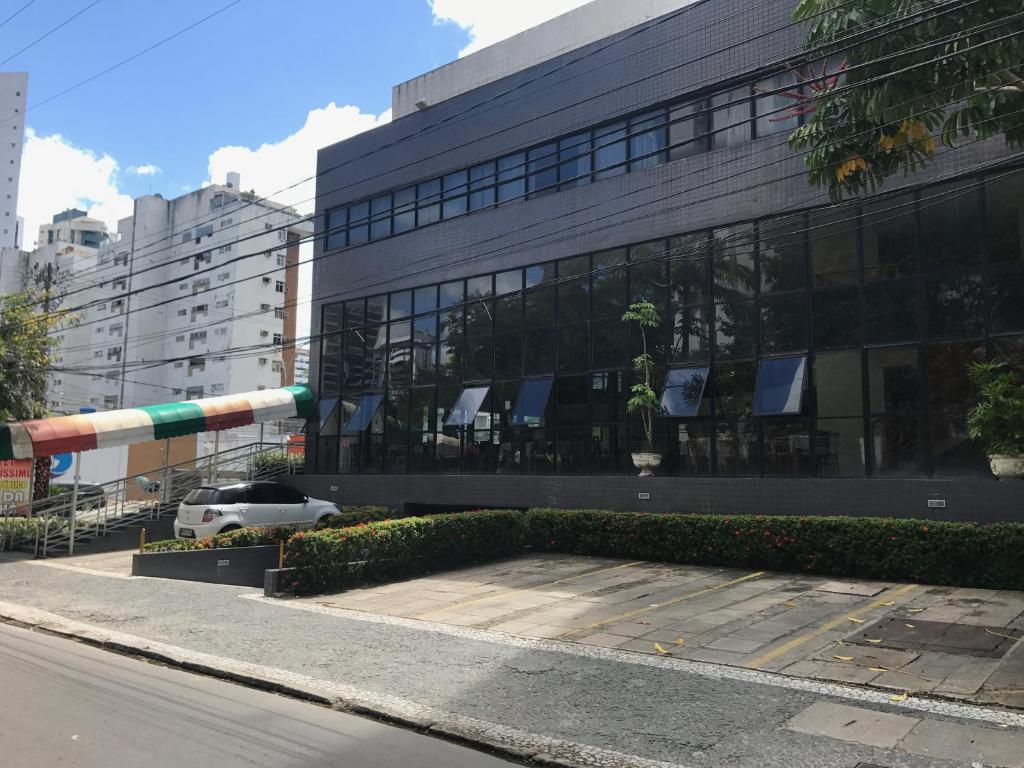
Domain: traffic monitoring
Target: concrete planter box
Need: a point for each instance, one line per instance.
(240, 566)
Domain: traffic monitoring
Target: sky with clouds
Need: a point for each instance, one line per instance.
(252, 90)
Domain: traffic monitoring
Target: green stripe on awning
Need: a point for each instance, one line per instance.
(175, 419)
(6, 446)
(304, 405)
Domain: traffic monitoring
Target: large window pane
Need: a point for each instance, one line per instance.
(837, 384)
(482, 180)
(950, 397)
(784, 322)
(452, 347)
(691, 447)
(574, 295)
(396, 431)
(452, 294)
(355, 312)
(405, 210)
(542, 170)
(780, 386)
(429, 206)
(734, 388)
(609, 286)
(839, 448)
(375, 365)
(732, 261)
(352, 360)
(540, 307)
(380, 217)
(479, 358)
(837, 317)
(456, 187)
(737, 446)
(610, 150)
(684, 391)
(894, 382)
(955, 305)
(735, 328)
(508, 282)
(898, 444)
(574, 153)
(358, 223)
(1004, 203)
(508, 355)
(783, 252)
(688, 269)
(541, 344)
(778, 112)
(890, 238)
(608, 340)
(648, 139)
(691, 334)
(426, 299)
(400, 355)
(893, 310)
(512, 177)
(573, 343)
(425, 349)
(539, 274)
(787, 448)
(730, 118)
(1006, 290)
(422, 431)
(376, 309)
(688, 130)
(574, 432)
(832, 234)
(401, 305)
(337, 228)
(951, 222)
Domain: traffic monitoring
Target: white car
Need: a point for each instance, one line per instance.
(217, 509)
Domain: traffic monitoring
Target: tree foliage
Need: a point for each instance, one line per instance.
(644, 400)
(998, 419)
(25, 351)
(914, 73)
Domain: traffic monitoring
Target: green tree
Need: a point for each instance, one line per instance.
(26, 347)
(915, 72)
(644, 400)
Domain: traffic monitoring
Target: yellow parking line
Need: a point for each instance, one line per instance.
(796, 642)
(673, 601)
(535, 587)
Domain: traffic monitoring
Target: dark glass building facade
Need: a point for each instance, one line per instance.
(470, 285)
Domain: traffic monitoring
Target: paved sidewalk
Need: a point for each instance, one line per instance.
(582, 704)
(963, 644)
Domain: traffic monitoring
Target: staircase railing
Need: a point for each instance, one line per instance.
(48, 525)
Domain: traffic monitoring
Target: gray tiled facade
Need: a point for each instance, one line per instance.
(707, 45)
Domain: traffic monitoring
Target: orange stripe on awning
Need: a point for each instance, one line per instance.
(226, 412)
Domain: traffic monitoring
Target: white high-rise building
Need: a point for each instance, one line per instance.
(194, 297)
(13, 92)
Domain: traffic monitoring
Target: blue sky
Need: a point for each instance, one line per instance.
(246, 77)
(257, 90)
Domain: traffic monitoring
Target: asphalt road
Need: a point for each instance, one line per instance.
(67, 704)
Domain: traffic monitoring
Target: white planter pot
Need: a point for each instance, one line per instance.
(646, 463)
(1007, 467)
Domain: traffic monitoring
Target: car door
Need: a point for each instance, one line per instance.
(256, 506)
(291, 506)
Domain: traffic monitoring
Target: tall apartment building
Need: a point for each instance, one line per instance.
(13, 94)
(181, 286)
(480, 251)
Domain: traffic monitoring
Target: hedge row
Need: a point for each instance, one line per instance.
(15, 531)
(962, 554)
(253, 537)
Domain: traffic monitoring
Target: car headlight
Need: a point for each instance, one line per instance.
(209, 514)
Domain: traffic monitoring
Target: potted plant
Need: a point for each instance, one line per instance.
(644, 400)
(997, 422)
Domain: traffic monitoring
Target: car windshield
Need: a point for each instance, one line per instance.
(212, 496)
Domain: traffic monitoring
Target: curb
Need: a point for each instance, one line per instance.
(480, 735)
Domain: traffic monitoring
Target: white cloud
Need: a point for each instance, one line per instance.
(144, 170)
(56, 175)
(489, 22)
(274, 166)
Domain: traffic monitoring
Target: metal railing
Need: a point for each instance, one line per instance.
(48, 526)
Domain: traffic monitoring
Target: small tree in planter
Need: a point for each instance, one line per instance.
(644, 400)
(997, 422)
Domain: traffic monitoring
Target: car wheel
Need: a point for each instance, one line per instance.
(323, 522)
(230, 528)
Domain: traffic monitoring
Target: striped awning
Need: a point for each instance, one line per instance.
(84, 432)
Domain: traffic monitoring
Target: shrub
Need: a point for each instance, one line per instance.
(273, 464)
(349, 516)
(963, 554)
(242, 537)
(998, 419)
(341, 557)
(15, 531)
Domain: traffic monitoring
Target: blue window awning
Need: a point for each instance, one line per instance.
(684, 390)
(465, 409)
(532, 402)
(779, 390)
(365, 411)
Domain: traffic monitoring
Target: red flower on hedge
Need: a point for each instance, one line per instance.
(892, 538)
(924, 529)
